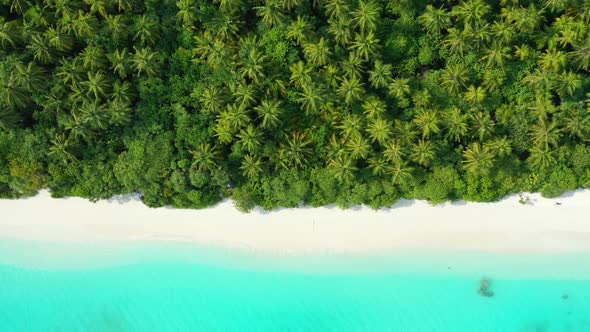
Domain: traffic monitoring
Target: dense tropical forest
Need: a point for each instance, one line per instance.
(283, 102)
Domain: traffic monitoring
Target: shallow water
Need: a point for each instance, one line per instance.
(160, 287)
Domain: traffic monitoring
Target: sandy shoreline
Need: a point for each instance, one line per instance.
(507, 226)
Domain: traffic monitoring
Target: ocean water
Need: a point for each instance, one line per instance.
(164, 287)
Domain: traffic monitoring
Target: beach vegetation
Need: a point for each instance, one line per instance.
(284, 103)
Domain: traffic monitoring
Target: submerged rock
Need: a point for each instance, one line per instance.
(484, 287)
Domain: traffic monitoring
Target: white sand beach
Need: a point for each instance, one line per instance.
(560, 225)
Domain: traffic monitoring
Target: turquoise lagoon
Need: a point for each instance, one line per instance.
(177, 287)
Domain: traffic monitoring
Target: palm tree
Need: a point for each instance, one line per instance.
(119, 112)
(454, 77)
(19, 6)
(245, 94)
(351, 125)
(97, 6)
(94, 114)
(477, 159)
(59, 149)
(456, 41)
(576, 122)
(69, 71)
(366, 16)
(39, 46)
(405, 131)
(331, 75)
(569, 34)
(77, 94)
(249, 138)
(55, 101)
(393, 151)
(211, 99)
(523, 51)
(230, 6)
(545, 134)
(381, 75)
(84, 25)
(353, 65)
(12, 93)
(524, 19)
(205, 157)
(493, 79)
(251, 166)
(351, 89)
(538, 80)
(120, 62)
(8, 33)
(291, 4)
(8, 118)
(378, 165)
(543, 106)
(482, 125)
(340, 29)
(236, 116)
(422, 152)
(475, 95)
(224, 25)
(223, 132)
(496, 55)
(144, 61)
(400, 172)
(374, 107)
(541, 158)
(335, 147)
(434, 20)
(269, 111)
(422, 98)
(581, 54)
(295, 151)
(556, 5)
(300, 74)
(343, 168)
(379, 130)
(116, 27)
(456, 124)
(58, 39)
(31, 76)
(186, 12)
(365, 44)
(298, 30)
(271, 13)
(317, 54)
(253, 66)
(478, 35)
(568, 83)
(311, 98)
(503, 32)
(75, 123)
(145, 29)
(122, 91)
(96, 84)
(203, 45)
(400, 89)
(427, 121)
(276, 87)
(358, 147)
(336, 8)
(500, 146)
(553, 59)
(92, 58)
(471, 12)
